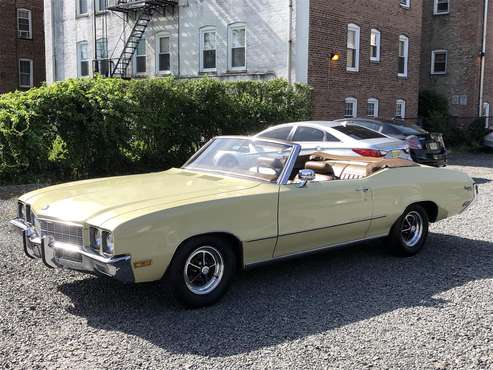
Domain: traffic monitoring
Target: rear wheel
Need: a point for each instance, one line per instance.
(409, 233)
(201, 271)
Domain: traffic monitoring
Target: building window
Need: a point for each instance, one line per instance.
(373, 107)
(25, 73)
(353, 34)
(375, 45)
(439, 62)
(164, 55)
(237, 49)
(351, 107)
(208, 50)
(403, 55)
(459, 99)
(141, 57)
(400, 109)
(405, 3)
(101, 5)
(102, 62)
(82, 8)
(441, 7)
(24, 24)
(82, 59)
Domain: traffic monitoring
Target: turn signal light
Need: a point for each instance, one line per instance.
(368, 152)
(144, 263)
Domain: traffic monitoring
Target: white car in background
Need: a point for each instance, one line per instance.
(339, 138)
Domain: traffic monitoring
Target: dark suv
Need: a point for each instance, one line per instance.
(426, 148)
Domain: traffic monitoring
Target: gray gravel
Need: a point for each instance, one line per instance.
(355, 308)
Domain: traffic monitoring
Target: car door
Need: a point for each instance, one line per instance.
(322, 214)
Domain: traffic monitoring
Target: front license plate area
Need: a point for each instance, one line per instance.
(68, 255)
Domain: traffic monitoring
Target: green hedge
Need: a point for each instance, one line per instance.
(92, 127)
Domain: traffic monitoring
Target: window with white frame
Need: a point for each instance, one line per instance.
(403, 55)
(351, 107)
(208, 49)
(102, 62)
(237, 47)
(375, 45)
(24, 24)
(25, 73)
(141, 57)
(400, 108)
(405, 3)
(373, 107)
(82, 7)
(82, 59)
(441, 7)
(164, 54)
(353, 39)
(101, 5)
(439, 62)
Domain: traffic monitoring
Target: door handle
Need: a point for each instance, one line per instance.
(364, 190)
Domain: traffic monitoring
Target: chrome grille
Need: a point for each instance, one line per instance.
(63, 233)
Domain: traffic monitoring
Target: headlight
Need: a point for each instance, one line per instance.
(21, 210)
(107, 243)
(101, 241)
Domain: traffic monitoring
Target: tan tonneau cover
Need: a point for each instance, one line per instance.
(370, 164)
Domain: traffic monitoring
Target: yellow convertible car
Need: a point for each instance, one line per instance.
(237, 202)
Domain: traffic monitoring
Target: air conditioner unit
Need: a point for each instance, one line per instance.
(24, 34)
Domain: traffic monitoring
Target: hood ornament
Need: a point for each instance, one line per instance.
(45, 207)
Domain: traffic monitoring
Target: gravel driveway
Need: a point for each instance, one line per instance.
(355, 308)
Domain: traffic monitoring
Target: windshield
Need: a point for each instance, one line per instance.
(243, 157)
(409, 129)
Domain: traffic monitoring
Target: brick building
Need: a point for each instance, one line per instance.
(378, 47)
(455, 63)
(377, 44)
(22, 44)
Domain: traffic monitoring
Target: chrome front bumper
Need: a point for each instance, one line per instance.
(68, 256)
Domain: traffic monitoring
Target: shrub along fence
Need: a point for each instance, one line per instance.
(97, 127)
(465, 132)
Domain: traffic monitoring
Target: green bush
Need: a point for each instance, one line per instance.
(457, 132)
(92, 127)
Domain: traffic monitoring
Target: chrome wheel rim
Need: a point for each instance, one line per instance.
(203, 270)
(412, 229)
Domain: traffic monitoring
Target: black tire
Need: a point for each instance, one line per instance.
(408, 243)
(186, 287)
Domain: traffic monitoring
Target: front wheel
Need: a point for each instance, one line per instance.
(201, 271)
(409, 233)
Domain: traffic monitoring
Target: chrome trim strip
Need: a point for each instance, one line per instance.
(328, 227)
(261, 239)
(309, 252)
(55, 221)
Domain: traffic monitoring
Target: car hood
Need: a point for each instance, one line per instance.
(99, 200)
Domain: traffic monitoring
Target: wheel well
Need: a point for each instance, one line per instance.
(230, 239)
(431, 209)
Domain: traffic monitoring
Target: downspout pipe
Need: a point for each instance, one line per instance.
(290, 40)
(483, 58)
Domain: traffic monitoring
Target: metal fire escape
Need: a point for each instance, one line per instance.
(142, 11)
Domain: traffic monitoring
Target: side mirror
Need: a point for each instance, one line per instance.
(305, 176)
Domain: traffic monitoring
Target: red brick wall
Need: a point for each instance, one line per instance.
(330, 80)
(460, 33)
(12, 48)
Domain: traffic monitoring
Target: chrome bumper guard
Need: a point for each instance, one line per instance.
(72, 257)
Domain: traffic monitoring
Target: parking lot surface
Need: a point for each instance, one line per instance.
(354, 308)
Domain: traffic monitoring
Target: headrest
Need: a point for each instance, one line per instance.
(322, 168)
(270, 162)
